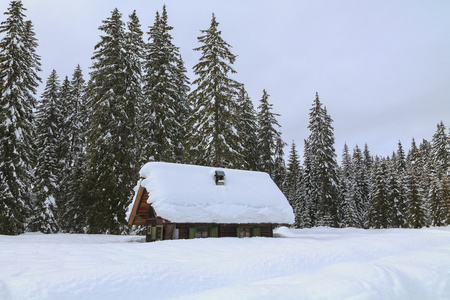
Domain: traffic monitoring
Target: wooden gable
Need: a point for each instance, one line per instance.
(141, 208)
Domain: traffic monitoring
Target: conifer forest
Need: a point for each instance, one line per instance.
(70, 157)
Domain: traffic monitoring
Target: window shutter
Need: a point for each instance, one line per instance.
(153, 228)
(192, 232)
(238, 231)
(214, 232)
(159, 232)
(256, 231)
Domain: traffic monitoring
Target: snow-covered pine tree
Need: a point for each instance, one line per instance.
(444, 195)
(268, 134)
(378, 212)
(164, 107)
(247, 131)
(437, 213)
(323, 166)
(49, 121)
(394, 194)
(293, 176)
(214, 119)
(362, 186)
(72, 218)
(62, 151)
(348, 186)
(279, 171)
(397, 188)
(74, 211)
(135, 48)
(307, 194)
(368, 160)
(440, 151)
(19, 65)
(293, 188)
(110, 152)
(416, 214)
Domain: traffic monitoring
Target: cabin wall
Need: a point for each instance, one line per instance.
(171, 231)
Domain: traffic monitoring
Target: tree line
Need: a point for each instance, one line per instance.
(404, 190)
(70, 160)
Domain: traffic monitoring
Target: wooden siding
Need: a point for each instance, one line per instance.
(224, 230)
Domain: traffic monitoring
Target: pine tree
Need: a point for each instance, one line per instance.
(293, 176)
(74, 212)
(164, 109)
(444, 195)
(279, 173)
(19, 65)
(362, 186)
(308, 192)
(415, 205)
(71, 209)
(213, 124)
(348, 190)
(416, 217)
(110, 152)
(268, 134)
(397, 188)
(323, 169)
(436, 202)
(247, 131)
(378, 212)
(440, 151)
(134, 48)
(48, 166)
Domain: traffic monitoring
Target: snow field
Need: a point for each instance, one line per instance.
(318, 263)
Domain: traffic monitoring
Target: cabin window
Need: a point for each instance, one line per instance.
(203, 232)
(248, 231)
(156, 232)
(245, 232)
(220, 177)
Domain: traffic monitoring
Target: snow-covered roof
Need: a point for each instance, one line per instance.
(188, 194)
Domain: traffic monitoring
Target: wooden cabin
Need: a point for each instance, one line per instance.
(176, 201)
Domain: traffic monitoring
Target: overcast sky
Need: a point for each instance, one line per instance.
(382, 68)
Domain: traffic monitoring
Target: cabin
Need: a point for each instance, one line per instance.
(178, 201)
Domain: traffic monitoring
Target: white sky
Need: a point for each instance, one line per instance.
(382, 68)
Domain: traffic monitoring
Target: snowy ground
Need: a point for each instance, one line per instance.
(317, 263)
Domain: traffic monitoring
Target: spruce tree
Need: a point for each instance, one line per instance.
(213, 123)
(19, 65)
(279, 172)
(362, 186)
(416, 217)
(397, 188)
(293, 176)
(247, 131)
(438, 211)
(49, 122)
(440, 151)
(164, 107)
(348, 190)
(110, 152)
(323, 167)
(308, 192)
(268, 135)
(378, 212)
(72, 209)
(444, 195)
